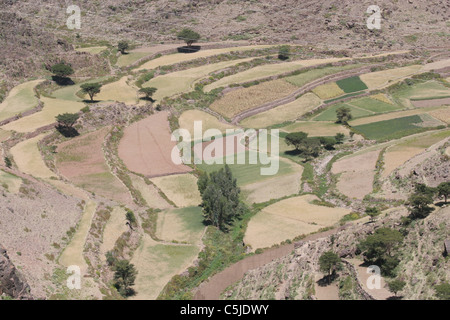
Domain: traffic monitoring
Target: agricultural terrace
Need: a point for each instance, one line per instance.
(181, 189)
(10, 182)
(356, 173)
(182, 57)
(114, 228)
(81, 160)
(183, 81)
(52, 108)
(283, 221)
(20, 99)
(139, 142)
(157, 263)
(308, 76)
(119, 91)
(398, 154)
(187, 119)
(92, 50)
(283, 113)
(269, 70)
(149, 192)
(379, 79)
(28, 158)
(316, 128)
(183, 225)
(237, 101)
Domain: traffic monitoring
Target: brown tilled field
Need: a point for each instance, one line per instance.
(146, 147)
(81, 160)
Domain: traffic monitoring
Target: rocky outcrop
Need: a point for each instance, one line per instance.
(12, 283)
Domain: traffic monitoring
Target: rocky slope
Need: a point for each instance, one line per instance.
(12, 284)
(292, 277)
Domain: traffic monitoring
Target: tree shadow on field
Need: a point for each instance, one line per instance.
(147, 99)
(441, 204)
(63, 81)
(68, 132)
(395, 298)
(327, 280)
(89, 101)
(188, 49)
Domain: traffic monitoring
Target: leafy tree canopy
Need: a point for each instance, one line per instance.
(189, 36)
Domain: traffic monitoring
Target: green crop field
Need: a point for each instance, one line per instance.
(182, 225)
(314, 74)
(352, 84)
(330, 113)
(374, 105)
(391, 129)
(247, 173)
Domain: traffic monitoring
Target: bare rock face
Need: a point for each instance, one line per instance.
(12, 283)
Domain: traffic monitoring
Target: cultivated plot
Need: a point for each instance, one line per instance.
(179, 82)
(149, 192)
(118, 91)
(28, 158)
(182, 57)
(304, 78)
(157, 263)
(10, 182)
(81, 160)
(208, 121)
(288, 219)
(379, 79)
(114, 228)
(45, 117)
(316, 128)
(92, 50)
(329, 114)
(181, 189)
(244, 99)
(268, 70)
(183, 225)
(146, 147)
(288, 112)
(328, 91)
(20, 99)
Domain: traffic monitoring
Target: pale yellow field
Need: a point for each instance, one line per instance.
(157, 263)
(182, 57)
(398, 114)
(267, 71)
(437, 65)
(92, 50)
(441, 114)
(114, 228)
(180, 188)
(316, 128)
(52, 108)
(288, 219)
(274, 188)
(118, 91)
(21, 98)
(328, 91)
(287, 112)
(73, 253)
(187, 118)
(398, 154)
(149, 193)
(4, 135)
(381, 97)
(183, 81)
(29, 160)
(387, 77)
(12, 182)
(243, 99)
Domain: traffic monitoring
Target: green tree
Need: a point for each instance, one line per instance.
(396, 286)
(418, 206)
(8, 162)
(220, 198)
(130, 217)
(67, 119)
(91, 89)
(122, 46)
(328, 263)
(148, 92)
(283, 52)
(372, 212)
(327, 142)
(124, 277)
(343, 115)
(379, 248)
(62, 70)
(443, 190)
(443, 291)
(310, 148)
(189, 36)
(296, 139)
(339, 137)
